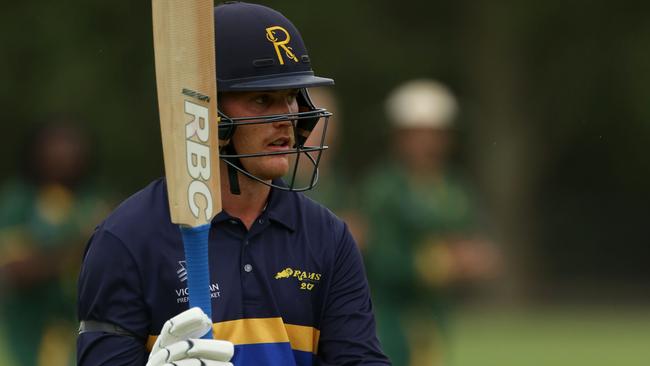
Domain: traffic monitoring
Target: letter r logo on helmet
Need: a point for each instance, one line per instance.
(258, 48)
(280, 43)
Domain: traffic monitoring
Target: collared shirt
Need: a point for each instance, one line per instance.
(289, 291)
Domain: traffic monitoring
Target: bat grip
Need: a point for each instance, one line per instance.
(195, 241)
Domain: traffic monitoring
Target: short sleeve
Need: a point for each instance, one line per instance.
(348, 334)
(110, 291)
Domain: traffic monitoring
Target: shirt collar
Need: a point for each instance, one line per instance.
(280, 207)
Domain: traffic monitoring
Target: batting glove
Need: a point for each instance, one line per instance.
(179, 343)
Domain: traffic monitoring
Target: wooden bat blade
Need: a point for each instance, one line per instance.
(187, 100)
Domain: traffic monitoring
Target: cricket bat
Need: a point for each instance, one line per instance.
(184, 52)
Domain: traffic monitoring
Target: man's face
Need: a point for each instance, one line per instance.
(264, 137)
(423, 148)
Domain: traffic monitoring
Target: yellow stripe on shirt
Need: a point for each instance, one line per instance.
(263, 330)
(303, 338)
(251, 331)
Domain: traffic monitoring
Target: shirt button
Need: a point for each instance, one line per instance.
(232, 221)
(261, 221)
(248, 267)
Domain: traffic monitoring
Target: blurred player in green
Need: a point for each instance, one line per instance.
(423, 240)
(46, 214)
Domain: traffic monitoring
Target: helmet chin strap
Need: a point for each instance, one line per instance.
(233, 180)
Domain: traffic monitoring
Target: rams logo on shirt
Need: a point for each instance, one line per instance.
(306, 279)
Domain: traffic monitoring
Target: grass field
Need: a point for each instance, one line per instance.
(552, 336)
(543, 337)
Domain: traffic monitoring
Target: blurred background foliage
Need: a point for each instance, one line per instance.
(554, 113)
(554, 126)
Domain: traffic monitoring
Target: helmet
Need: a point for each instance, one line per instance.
(258, 49)
(421, 103)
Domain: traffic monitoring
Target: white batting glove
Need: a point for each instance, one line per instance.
(179, 343)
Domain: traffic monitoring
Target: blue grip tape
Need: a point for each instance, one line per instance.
(195, 241)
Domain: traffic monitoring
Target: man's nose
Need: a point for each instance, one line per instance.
(285, 107)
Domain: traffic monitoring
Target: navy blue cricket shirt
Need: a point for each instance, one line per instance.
(289, 291)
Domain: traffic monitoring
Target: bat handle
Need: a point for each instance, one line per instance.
(195, 241)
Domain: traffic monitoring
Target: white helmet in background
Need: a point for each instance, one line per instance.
(421, 103)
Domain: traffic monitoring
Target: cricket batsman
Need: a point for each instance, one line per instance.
(287, 283)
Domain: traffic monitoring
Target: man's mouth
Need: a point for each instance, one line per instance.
(281, 143)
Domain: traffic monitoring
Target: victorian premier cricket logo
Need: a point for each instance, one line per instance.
(182, 293)
(280, 39)
(197, 137)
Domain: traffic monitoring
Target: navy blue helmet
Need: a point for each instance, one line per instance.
(259, 49)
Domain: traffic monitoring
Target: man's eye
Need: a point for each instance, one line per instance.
(262, 99)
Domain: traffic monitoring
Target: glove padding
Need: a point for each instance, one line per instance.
(178, 343)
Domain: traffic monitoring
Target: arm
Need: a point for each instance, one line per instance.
(348, 335)
(115, 319)
(110, 292)
(98, 348)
